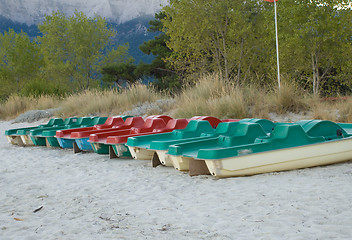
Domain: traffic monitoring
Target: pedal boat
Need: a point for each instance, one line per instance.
(304, 144)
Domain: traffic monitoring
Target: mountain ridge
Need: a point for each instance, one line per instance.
(117, 11)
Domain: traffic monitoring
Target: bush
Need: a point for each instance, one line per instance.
(40, 87)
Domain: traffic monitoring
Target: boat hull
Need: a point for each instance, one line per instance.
(180, 162)
(13, 139)
(283, 159)
(121, 151)
(164, 158)
(100, 148)
(52, 141)
(65, 142)
(38, 141)
(83, 144)
(141, 153)
(27, 141)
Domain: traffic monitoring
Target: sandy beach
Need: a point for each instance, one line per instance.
(55, 194)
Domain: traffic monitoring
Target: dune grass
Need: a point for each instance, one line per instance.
(16, 105)
(210, 96)
(215, 97)
(107, 102)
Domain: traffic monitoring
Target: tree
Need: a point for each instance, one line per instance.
(20, 61)
(210, 35)
(237, 39)
(117, 55)
(313, 37)
(120, 72)
(73, 47)
(159, 68)
(118, 66)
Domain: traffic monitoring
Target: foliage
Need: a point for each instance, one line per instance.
(211, 95)
(73, 47)
(15, 105)
(119, 73)
(210, 35)
(314, 36)
(117, 67)
(237, 39)
(159, 68)
(19, 61)
(40, 87)
(107, 102)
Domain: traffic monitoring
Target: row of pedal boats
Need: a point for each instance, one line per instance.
(199, 145)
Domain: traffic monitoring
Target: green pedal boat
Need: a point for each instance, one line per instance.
(290, 146)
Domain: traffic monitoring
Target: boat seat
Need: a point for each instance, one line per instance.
(194, 128)
(267, 125)
(283, 136)
(245, 133)
(327, 129)
(214, 122)
(224, 128)
(98, 120)
(290, 135)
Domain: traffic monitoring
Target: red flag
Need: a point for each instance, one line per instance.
(271, 0)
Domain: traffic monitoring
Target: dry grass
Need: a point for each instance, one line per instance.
(16, 105)
(209, 96)
(343, 110)
(289, 99)
(108, 102)
(323, 109)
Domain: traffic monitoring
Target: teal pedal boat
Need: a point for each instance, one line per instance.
(242, 133)
(303, 144)
(37, 134)
(20, 136)
(156, 147)
(84, 122)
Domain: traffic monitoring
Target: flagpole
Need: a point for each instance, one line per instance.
(277, 47)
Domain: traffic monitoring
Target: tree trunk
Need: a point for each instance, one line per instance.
(18, 84)
(239, 64)
(226, 65)
(217, 54)
(316, 77)
(224, 51)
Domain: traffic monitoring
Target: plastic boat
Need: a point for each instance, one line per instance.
(242, 132)
(68, 137)
(117, 143)
(46, 136)
(98, 140)
(300, 145)
(154, 147)
(20, 136)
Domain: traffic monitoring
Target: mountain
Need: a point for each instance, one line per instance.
(6, 24)
(117, 11)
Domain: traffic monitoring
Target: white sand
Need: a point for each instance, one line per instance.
(88, 196)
